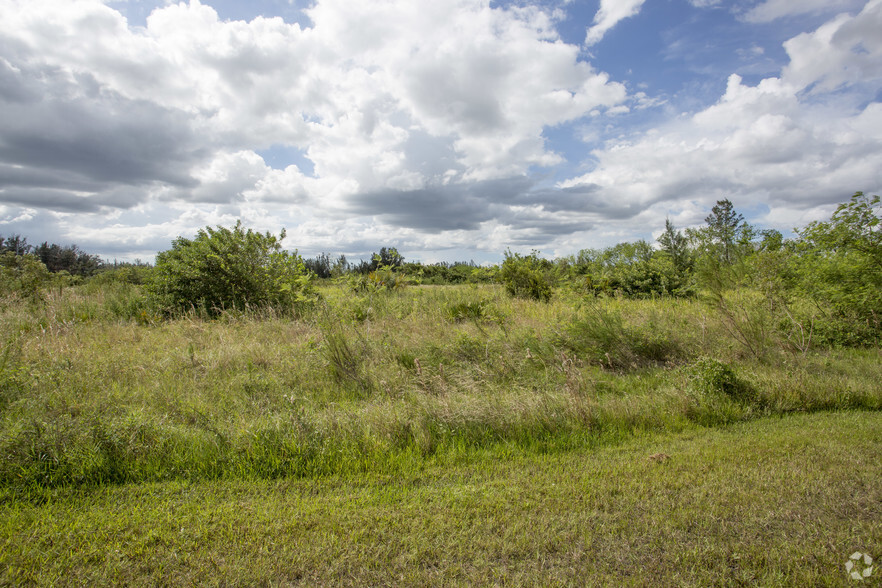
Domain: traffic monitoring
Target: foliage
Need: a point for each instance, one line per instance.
(602, 337)
(24, 275)
(387, 257)
(466, 310)
(70, 259)
(16, 244)
(839, 265)
(383, 279)
(632, 269)
(320, 265)
(527, 276)
(711, 376)
(726, 228)
(123, 274)
(457, 272)
(676, 246)
(229, 269)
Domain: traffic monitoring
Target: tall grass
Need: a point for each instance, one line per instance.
(97, 390)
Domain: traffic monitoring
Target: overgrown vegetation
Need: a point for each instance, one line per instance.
(230, 360)
(224, 360)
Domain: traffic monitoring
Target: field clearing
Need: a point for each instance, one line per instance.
(773, 502)
(441, 435)
(378, 383)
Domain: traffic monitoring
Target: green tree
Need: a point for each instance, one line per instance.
(387, 257)
(226, 268)
(676, 245)
(70, 259)
(840, 266)
(726, 227)
(854, 227)
(16, 243)
(22, 274)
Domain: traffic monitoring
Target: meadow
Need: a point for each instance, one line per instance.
(377, 382)
(429, 434)
(705, 412)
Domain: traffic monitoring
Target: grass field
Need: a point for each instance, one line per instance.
(431, 435)
(773, 502)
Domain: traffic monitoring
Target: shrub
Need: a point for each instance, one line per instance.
(24, 275)
(461, 311)
(709, 376)
(382, 279)
(840, 268)
(602, 337)
(527, 276)
(229, 269)
(718, 396)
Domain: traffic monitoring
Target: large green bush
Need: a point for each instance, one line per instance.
(839, 266)
(229, 269)
(527, 276)
(23, 275)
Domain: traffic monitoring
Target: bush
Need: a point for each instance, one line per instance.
(461, 311)
(24, 275)
(602, 337)
(633, 269)
(527, 276)
(229, 269)
(384, 278)
(708, 376)
(718, 396)
(840, 268)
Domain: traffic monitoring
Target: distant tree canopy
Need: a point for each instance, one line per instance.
(71, 259)
(827, 280)
(56, 258)
(387, 257)
(16, 244)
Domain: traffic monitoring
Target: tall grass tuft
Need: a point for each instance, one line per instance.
(603, 338)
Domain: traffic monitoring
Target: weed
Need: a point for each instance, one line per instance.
(346, 365)
(461, 311)
(602, 336)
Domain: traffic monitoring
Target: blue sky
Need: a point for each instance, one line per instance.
(451, 129)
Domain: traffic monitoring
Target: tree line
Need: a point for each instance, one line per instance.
(826, 281)
(56, 258)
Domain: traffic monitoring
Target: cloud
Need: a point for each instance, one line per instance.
(609, 14)
(799, 142)
(772, 10)
(66, 143)
(372, 92)
(844, 52)
(423, 123)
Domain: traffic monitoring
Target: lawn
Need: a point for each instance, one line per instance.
(772, 502)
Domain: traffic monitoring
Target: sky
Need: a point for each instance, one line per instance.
(449, 129)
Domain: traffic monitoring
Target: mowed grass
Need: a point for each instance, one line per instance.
(780, 501)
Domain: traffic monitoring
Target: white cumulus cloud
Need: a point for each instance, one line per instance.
(611, 12)
(795, 144)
